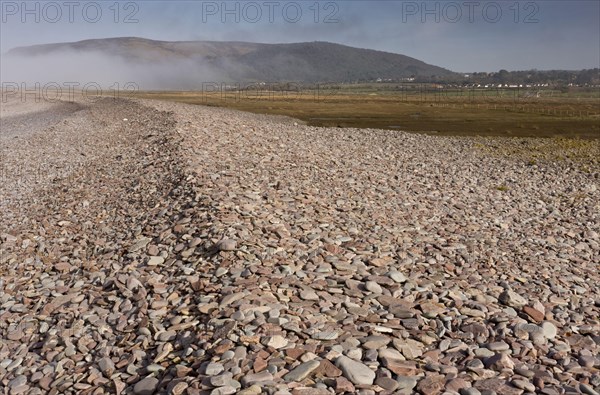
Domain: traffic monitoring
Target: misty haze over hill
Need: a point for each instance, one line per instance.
(191, 64)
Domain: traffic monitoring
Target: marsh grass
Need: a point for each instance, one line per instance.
(448, 115)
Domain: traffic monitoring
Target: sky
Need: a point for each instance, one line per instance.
(463, 36)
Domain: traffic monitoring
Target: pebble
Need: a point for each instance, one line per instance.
(373, 287)
(252, 390)
(406, 384)
(257, 378)
(179, 388)
(213, 369)
(227, 245)
(221, 380)
(17, 382)
(498, 346)
(155, 261)
(500, 362)
(375, 342)
(535, 315)
(302, 371)
(549, 329)
(107, 367)
(586, 389)
(309, 294)
(276, 341)
(431, 384)
(146, 386)
(357, 372)
(327, 369)
(387, 383)
(587, 361)
(512, 299)
(342, 385)
(397, 276)
(524, 385)
(226, 390)
(326, 335)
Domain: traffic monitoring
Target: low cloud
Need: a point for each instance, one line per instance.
(66, 67)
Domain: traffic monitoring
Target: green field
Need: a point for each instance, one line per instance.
(443, 112)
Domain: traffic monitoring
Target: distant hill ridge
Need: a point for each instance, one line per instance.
(245, 62)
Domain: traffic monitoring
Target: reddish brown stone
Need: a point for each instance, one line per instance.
(500, 386)
(294, 353)
(62, 266)
(431, 385)
(433, 355)
(327, 369)
(457, 384)
(343, 385)
(334, 249)
(401, 368)
(259, 365)
(536, 315)
(223, 346)
(263, 354)
(182, 371)
(45, 382)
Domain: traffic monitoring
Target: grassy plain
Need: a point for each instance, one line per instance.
(431, 111)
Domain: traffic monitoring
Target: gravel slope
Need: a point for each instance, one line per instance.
(181, 249)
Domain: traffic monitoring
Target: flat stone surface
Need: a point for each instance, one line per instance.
(146, 386)
(374, 342)
(512, 299)
(358, 373)
(327, 369)
(213, 369)
(431, 384)
(549, 329)
(535, 315)
(257, 378)
(302, 371)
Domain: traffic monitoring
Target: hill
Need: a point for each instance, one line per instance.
(169, 63)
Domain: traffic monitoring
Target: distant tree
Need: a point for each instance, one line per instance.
(502, 77)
